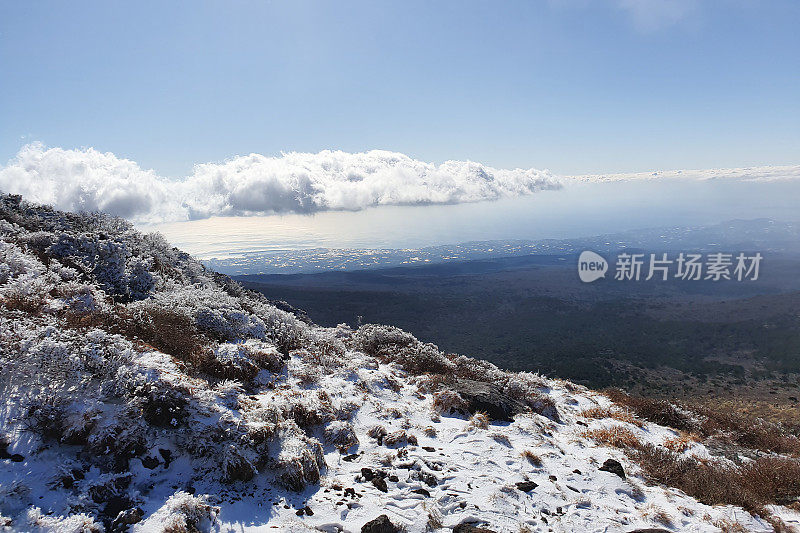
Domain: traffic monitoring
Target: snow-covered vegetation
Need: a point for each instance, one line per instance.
(142, 392)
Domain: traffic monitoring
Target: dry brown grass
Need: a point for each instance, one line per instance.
(681, 443)
(27, 304)
(771, 479)
(532, 458)
(721, 422)
(610, 412)
(616, 436)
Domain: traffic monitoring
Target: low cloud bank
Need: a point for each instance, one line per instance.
(88, 180)
(771, 173)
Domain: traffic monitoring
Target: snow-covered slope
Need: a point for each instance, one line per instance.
(141, 392)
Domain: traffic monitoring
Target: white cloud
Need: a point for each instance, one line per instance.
(255, 184)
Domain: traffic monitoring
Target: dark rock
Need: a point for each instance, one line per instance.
(67, 482)
(367, 474)
(17, 458)
(424, 492)
(115, 505)
(77, 473)
(150, 462)
(553, 478)
(429, 448)
(489, 398)
(382, 524)
(166, 455)
(526, 486)
(380, 484)
(393, 478)
(351, 457)
(576, 471)
(650, 530)
(428, 479)
(471, 528)
(613, 466)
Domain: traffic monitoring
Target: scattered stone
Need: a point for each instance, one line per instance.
(350, 458)
(367, 474)
(382, 524)
(150, 462)
(650, 530)
(116, 505)
(576, 471)
(526, 486)
(166, 455)
(429, 448)
(613, 466)
(393, 478)
(380, 484)
(423, 492)
(553, 478)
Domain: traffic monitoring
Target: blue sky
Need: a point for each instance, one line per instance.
(573, 86)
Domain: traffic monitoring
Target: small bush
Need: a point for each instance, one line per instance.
(532, 458)
(479, 420)
(616, 436)
(340, 434)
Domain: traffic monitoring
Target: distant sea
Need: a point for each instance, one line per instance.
(579, 209)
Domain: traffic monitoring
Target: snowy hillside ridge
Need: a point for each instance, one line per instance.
(142, 392)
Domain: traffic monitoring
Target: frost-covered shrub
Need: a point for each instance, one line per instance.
(340, 434)
(232, 361)
(80, 298)
(235, 466)
(399, 438)
(230, 324)
(446, 401)
(161, 403)
(242, 361)
(374, 339)
(396, 345)
(184, 512)
(104, 259)
(140, 282)
(300, 461)
(39, 522)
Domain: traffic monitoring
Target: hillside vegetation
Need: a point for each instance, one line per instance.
(142, 392)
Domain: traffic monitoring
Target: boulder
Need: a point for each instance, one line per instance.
(613, 466)
(489, 398)
(382, 524)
